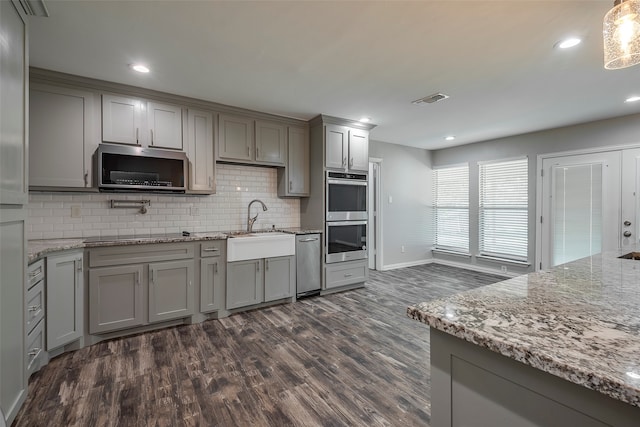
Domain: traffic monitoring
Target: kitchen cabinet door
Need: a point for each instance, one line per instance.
(200, 151)
(336, 144)
(358, 150)
(293, 180)
(270, 143)
(170, 290)
(245, 284)
(164, 123)
(279, 278)
(121, 120)
(64, 299)
(212, 284)
(235, 138)
(115, 298)
(60, 137)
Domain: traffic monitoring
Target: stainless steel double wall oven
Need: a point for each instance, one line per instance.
(346, 217)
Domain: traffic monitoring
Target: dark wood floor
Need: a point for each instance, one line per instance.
(352, 358)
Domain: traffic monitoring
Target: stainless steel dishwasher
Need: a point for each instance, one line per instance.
(308, 262)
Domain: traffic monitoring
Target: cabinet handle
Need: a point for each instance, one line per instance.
(258, 266)
(137, 278)
(151, 130)
(290, 185)
(34, 352)
(34, 273)
(78, 264)
(210, 182)
(86, 178)
(266, 265)
(248, 151)
(257, 152)
(137, 139)
(344, 161)
(210, 250)
(153, 276)
(348, 274)
(313, 239)
(215, 268)
(33, 308)
(351, 162)
(189, 283)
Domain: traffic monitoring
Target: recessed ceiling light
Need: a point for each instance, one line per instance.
(568, 43)
(365, 119)
(632, 99)
(450, 138)
(140, 68)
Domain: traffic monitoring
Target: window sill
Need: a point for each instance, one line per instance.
(504, 260)
(454, 253)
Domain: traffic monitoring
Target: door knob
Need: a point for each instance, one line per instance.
(627, 234)
(627, 223)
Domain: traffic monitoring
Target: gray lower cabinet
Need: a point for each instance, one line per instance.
(213, 275)
(35, 323)
(345, 273)
(260, 280)
(170, 290)
(115, 298)
(244, 283)
(64, 309)
(279, 278)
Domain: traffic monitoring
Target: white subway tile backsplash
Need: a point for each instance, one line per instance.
(50, 213)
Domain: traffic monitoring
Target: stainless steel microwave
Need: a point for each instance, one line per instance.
(134, 169)
(346, 196)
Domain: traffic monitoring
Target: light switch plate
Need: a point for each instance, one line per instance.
(76, 211)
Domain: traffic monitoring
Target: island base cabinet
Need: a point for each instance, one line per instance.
(279, 278)
(64, 299)
(475, 386)
(115, 298)
(170, 290)
(244, 283)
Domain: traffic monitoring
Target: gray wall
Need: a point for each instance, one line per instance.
(612, 132)
(406, 177)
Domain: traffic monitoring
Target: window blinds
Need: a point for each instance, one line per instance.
(503, 209)
(451, 198)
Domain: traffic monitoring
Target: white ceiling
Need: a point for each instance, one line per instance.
(496, 59)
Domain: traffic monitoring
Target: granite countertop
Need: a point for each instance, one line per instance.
(580, 321)
(36, 249)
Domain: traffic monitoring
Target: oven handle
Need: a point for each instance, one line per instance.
(332, 223)
(346, 182)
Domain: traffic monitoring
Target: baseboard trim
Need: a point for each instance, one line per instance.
(406, 264)
(474, 268)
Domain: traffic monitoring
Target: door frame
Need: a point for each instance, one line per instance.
(539, 160)
(375, 188)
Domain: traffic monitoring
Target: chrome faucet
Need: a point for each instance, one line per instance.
(250, 220)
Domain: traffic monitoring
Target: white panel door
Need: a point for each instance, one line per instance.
(580, 206)
(630, 198)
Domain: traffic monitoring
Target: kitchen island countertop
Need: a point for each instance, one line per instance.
(579, 321)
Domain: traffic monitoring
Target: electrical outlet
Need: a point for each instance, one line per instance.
(402, 248)
(76, 211)
(503, 268)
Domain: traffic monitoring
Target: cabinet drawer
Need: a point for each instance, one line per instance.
(35, 305)
(35, 273)
(346, 273)
(35, 348)
(136, 254)
(213, 248)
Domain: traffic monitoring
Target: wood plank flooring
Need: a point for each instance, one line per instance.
(352, 358)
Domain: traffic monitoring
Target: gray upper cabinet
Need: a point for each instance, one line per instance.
(279, 278)
(336, 138)
(64, 299)
(270, 143)
(358, 150)
(245, 284)
(115, 298)
(293, 181)
(235, 138)
(170, 290)
(200, 146)
(61, 142)
(346, 148)
(165, 125)
(124, 122)
(121, 120)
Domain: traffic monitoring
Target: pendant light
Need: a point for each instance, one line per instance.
(621, 31)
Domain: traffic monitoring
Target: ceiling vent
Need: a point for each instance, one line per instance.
(430, 99)
(34, 8)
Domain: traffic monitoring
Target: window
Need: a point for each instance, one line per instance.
(503, 210)
(451, 200)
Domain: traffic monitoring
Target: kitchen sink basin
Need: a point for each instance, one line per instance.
(242, 247)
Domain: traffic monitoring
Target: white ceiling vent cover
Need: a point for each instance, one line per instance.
(430, 99)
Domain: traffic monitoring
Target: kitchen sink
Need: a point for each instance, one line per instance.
(246, 246)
